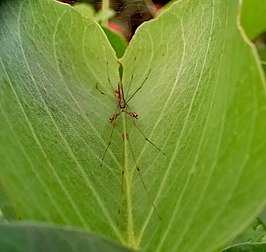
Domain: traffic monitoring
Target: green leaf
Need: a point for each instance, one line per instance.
(85, 9)
(103, 15)
(54, 118)
(117, 41)
(7, 210)
(31, 237)
(253, 17)
(203, 104)
(262, 54)
(207, 109)
(247, 247)
(254, 233)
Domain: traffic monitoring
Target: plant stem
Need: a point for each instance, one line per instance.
(105, 9)
(150, 6)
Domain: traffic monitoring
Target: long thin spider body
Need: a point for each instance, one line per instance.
(119, 95)
(122, 106)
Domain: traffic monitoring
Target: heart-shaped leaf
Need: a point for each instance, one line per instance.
(199, 93)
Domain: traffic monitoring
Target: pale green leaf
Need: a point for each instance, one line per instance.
(54, 122)
(203, 103)
(206, 106)
(103, 15)
(85, 9)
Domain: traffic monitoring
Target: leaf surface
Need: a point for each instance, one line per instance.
(247, 247)
(253, 17)
(200, 98)
(36, 237)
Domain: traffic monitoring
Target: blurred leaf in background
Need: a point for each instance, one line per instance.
(37, 237)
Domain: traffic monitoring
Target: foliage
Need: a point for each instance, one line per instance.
(200, 96)
(31, 237)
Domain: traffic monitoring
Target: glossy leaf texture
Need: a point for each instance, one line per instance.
(199, 93)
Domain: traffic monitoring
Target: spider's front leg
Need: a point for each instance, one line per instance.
(133, 114)
(114, 116)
